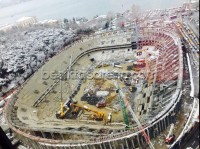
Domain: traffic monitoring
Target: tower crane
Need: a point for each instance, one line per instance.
(63, 108)
(122, 104)
(123, 101)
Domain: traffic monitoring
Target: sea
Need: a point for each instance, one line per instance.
(60, 9)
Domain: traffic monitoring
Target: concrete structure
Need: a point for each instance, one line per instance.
(168, 74)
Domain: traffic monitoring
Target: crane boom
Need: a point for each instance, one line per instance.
(140, 127)
(124, 110)
(147, 139)
(100, 115)
(122, 104)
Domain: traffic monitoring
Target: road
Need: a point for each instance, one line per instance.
(191, 44)
(195, 72)
(193, 26)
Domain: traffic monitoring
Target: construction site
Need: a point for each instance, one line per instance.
(106, 91)
(105, 84)
(129, 84)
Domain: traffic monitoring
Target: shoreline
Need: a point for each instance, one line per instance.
(42, 10)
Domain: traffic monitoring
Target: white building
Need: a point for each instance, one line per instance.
(26, 21)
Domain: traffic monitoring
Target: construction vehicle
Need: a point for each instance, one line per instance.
(64, 108)
(121, 94)
(132, 89)
(62, 113)
(98, 116)
(75, 110)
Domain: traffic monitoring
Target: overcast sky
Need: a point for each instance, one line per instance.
(59, 9)
(150, 3)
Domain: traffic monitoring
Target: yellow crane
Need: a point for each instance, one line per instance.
(62, 113)
(63, 110)
(98, 116)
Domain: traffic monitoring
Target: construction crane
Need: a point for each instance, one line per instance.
(98, 116)
(148, 141)
(122, 104)
(62, 113)
(133, 116)
(63, 109)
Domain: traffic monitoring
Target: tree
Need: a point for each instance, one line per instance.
(66, 21)
(84, 31)
(106, 25)
(74, 20)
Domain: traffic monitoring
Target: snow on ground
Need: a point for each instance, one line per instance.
(25, 50)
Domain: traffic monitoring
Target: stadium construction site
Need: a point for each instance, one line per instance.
(107, 91)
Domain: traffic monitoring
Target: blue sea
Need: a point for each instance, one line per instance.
(59, 9)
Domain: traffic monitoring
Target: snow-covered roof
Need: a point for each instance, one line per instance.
(48, 21)
(24, 19)
(6, 26)
(101, 16)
